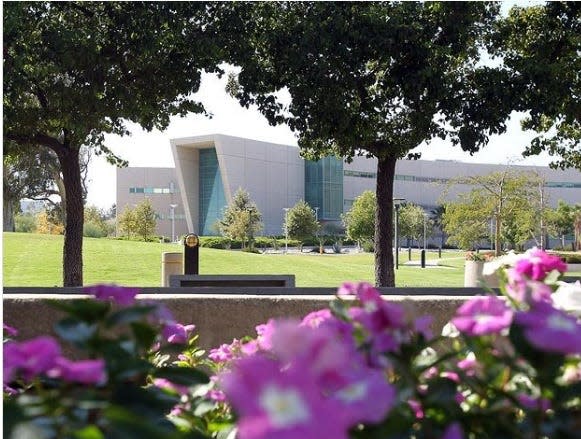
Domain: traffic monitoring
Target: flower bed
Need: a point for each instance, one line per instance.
(363, 368)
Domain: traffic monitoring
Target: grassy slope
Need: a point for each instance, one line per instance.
(35, 260)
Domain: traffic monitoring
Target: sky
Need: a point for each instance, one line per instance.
(152, 149)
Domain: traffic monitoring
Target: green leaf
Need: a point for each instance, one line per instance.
(128, 315)
(186, 376)
(75, 331)
(89, 432)
(87, 310)
(144, 334)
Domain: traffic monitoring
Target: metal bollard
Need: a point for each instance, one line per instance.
(423, 258)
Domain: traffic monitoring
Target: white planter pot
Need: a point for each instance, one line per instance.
(473, 273)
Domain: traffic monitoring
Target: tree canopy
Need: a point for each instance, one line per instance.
(359, 221)
(300, 222)
(371, 78)
(76, 70)
(539, 47)
(241, 219)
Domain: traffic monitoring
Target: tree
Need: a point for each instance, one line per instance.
(24, 176)
(561, 220)
(241, 219)
(505, 197)
(96, 225)
(437, 215)
(464, 227)
(76, 70)
(412, 219)
(539, 49)
(48, 224)
(359, 221)
(370, 78)
(127, 222)
(300, 222)
(145, 219)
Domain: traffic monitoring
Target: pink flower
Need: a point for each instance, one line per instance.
(416, 407)
(483, 315)
(31, 358)
(532, 403)
(176, 333)
(222, 354)
(285, 404)
(550, 329)
(366, 397)
(10, 330)
(454, 431)
(537, 264)
(524, 290)
(84, 372)
(162, 383)
(315, 318)
(120, 295)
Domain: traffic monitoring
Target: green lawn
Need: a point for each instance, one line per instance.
(36, 260)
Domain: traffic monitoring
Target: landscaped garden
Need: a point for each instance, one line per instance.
(35, 260)
(363, 368)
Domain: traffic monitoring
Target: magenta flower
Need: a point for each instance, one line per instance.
(483, 315)
(12, 332)
(176, 333)
(367, 397)
(162, 383)
(31, 358)
(416, 407)
(536, 264)
(283, 404)
(225, 353)
(524, 290)
(532, 403)
(315, 318)
(84, 372)
(120, 295)
(550, 329)
(454, 431)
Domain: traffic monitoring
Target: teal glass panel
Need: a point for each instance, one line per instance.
(212, 198)
(324, 187)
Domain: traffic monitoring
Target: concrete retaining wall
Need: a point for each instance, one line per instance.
(219, 318)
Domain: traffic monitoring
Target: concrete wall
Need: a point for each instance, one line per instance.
(219, 318)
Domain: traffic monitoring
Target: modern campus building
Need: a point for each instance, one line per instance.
(209, 170)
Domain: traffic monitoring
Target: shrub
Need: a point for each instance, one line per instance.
(25, 223)
(363, 368)
(92, 230)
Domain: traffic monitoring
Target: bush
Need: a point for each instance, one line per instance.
(363, 368)
(569, 258)
(92, 230)
(25, 223)
(367, 246)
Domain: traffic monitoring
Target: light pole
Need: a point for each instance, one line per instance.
(285, 230)
(397, 203)
(425, 226)
(173, 207)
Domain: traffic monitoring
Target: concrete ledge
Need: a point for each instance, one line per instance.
(260, 291)
(218, 319)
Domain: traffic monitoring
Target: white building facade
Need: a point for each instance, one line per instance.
(209, 169)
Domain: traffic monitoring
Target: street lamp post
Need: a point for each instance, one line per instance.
(285, 230)
(425, 224)
(397, 203)
(173, 207)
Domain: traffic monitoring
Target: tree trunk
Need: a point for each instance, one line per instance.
(497, 244)
(8, 215)
(384, 273)
(73, 246)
